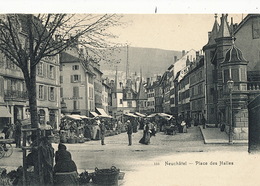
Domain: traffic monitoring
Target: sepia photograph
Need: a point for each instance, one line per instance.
(113, 93)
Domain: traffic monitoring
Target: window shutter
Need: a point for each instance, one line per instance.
(48, 70)
(75, 91)
(45, 92)
(61, 92)
(71, 79)
(37, 91)
(8, 84)
(54, 72)
(44, 69)
(54, 92)
(79, 78)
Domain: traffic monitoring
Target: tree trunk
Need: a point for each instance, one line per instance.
(30, 81)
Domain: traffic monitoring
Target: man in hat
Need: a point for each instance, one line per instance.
(129, 132)
(102, 131)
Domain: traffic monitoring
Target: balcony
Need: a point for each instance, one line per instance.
(254, 85)
(16, 95)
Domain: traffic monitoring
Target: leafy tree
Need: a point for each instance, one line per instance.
(25, 39)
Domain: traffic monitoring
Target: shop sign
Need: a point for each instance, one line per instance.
(72, 98)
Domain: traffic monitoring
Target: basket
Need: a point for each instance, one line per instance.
(106, 176)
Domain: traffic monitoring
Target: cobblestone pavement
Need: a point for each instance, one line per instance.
(168, 160)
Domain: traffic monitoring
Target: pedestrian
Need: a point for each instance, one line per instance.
(184, 126)
(129, 132)
(102, 131)
(18, 134)
(146, 135)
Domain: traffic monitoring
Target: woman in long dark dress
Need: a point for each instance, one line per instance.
(146, 135)
(65, 169)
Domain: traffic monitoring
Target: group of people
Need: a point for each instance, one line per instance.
(149, 130)
(11, 131)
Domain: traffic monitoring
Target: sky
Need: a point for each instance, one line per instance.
(168, 24)
(168, 31)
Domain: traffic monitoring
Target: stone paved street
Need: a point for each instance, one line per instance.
(159, 162)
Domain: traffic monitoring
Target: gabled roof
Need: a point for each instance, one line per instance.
(249, 16)
(68, 58)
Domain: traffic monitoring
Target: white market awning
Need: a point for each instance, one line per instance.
(139, 114)
(103, 113)
(131, 115)
(4, 112)
(94, 114)
(74, 116)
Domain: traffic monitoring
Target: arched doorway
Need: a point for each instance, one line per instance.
(41, 115)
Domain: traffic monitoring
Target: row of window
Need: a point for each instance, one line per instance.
(46, 70)
(46, 92)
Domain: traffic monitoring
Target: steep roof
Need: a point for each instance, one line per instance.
(249, 16)
(214, 32)
(224, 30)
(68, 58)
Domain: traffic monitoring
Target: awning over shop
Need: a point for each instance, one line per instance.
(94, 114)
(152, 115)
(103, 113)
(131, 115)
(139, 114)
(164, 115)
(4, 112)
(74, 116)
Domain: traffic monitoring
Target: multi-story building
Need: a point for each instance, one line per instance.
(166, 84)
(14, 92)
(105, 96)
(150, 96)
(124, 98)
(177, 71)
(197, 88)
(77, 83)
(225, 60)
(158, 95)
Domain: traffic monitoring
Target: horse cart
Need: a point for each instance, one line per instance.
(6, 148)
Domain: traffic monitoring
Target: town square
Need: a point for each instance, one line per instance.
(129, 99)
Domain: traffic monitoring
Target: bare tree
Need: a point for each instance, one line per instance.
(26, 39)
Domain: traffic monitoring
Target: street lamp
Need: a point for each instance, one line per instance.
(230, 84)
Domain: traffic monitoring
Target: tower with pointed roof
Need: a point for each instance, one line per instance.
(211, 74)
(234, 66)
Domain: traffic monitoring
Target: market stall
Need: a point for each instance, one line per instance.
(72, 129)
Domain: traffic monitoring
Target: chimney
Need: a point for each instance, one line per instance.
(175, 58)
(197, 55)
(183, 52)
(148, 81)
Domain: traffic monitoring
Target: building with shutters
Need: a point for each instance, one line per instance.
(13, 94)
(77, 83)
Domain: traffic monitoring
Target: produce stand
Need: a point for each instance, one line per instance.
(72, 129)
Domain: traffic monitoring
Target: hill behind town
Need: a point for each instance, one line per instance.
(150, 60)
